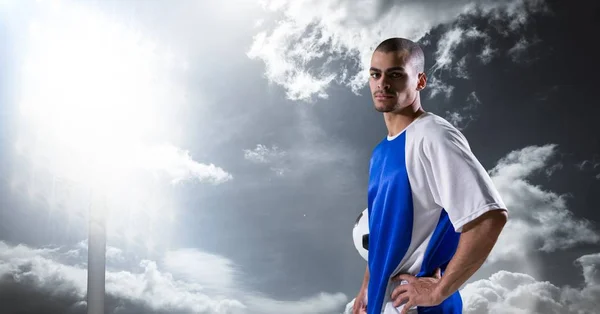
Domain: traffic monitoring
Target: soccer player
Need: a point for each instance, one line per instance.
(434, 213)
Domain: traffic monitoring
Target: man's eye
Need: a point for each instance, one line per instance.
(396, 75)
(374, 75)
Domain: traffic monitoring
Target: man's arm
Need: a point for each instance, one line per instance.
(360, 305)
(476, 242)
(366, 278)
(477, 239)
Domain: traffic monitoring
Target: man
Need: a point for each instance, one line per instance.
(434, 213)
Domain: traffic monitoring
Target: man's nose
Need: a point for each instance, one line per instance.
(384, 84)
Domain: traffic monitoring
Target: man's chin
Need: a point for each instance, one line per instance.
(384, 108)
(387, 105)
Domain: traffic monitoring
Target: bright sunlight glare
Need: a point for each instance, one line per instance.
(95, 90)
(96, 96)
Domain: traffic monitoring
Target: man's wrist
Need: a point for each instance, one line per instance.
(442, 290)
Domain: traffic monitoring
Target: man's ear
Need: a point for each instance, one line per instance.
(421, 81)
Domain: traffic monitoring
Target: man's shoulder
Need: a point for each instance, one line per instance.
(432, 128)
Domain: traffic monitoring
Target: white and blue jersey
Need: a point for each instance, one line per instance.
(425, 184)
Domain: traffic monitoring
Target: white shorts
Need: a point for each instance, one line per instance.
(390, 309)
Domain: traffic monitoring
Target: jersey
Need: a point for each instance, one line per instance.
(425, 184)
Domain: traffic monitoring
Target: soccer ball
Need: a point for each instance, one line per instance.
(360, 234)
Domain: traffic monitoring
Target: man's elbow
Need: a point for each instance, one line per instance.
(493, 220)
(498, 216)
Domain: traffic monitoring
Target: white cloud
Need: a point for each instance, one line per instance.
(550, 170)
(506, 292)
(302, 50)
(446, 46)
(208, 270)
(539, 219)
(458, 36)
(444, 55)
(585, 165)
(487, 54)
(518, 49)
(591, 165)
(160, 291)
(462, 117)
(437, 86)
(116, 258)
(461, 68)
(272, 156)
(264, 154)
(35, 267)
(178, 165)
(187, 281)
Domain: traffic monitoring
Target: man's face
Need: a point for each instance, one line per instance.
(393, 80)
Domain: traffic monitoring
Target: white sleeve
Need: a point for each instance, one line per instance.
(457, 180)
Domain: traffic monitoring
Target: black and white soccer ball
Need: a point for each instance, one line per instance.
(360, 234)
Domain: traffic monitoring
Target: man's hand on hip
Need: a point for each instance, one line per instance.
(418, 291)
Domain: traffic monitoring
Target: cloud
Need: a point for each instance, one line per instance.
(184, 281)
(160, 291)
(462, 117)
(460, 69)
(178, 165)
(453, 52)
(587, 165)
(506, 292)
(34, 267)
(518, 49)
(208, 270)
(444, 55)
(436, 86)
(487, 53)
(263, 154)
(592, 165)
(539, 219)
(315, 43)
(445, 61)
(272, 156)
(550, 170)
(78, 254)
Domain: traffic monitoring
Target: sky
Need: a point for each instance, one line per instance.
(228, 147)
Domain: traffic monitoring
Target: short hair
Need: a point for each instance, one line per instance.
(415, 52)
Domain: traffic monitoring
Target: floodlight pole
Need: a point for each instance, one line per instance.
(96, 272)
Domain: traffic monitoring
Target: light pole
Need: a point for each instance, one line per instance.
(96, 273)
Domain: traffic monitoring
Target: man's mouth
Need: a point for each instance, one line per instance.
(383, 96)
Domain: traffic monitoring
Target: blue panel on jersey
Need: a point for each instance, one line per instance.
(390, 217)
(439, 252)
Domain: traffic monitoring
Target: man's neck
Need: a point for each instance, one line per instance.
(396, 122)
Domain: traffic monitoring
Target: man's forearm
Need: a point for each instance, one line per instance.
(365, 283)
(475, 244)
